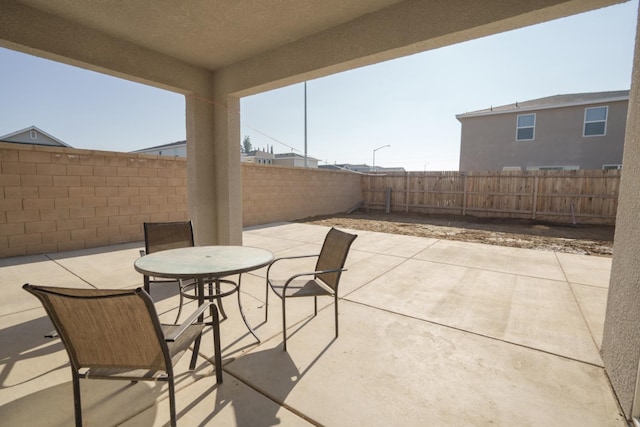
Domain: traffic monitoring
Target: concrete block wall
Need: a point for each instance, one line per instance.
(278, 193)
(59, 199)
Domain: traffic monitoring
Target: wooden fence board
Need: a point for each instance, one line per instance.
(588, 196)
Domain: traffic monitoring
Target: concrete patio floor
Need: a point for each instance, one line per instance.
(432, 333)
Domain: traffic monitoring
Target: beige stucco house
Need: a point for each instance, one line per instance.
(562, 132)
(214, 53)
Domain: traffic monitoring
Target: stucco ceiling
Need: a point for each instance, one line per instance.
(209, 33)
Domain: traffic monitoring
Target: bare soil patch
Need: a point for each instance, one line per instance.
(579, 239)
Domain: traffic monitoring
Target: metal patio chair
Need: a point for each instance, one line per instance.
(160, 236)
(323, 281)
(116, 334)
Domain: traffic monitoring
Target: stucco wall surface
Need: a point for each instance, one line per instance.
(621, 337)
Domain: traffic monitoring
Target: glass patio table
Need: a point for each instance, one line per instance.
(207, 264)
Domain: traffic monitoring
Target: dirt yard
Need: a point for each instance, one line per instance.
(579, 239)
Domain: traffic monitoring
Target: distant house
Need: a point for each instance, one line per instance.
(562, 132)
(362, 168)
(258, 157)
(33, 135)
(294, 160)
(173, 149)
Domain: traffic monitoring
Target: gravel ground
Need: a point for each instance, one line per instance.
(579, 239)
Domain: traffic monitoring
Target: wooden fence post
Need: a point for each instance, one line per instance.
(464, 194)
(406, 192)
(535, 197)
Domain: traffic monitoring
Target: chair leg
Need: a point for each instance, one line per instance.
(181, 301)
(315, 306)
(194, 354)
(335, 304)
(172, 401)
(266, 301)
(218, 300)
(77, 406)
(216, 344)
(284, 325)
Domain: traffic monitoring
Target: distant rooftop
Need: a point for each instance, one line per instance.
(363, 168)
(554, 101)
(293, 155)
(163, 146)
(30, 135)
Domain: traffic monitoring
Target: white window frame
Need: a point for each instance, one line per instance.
(533, 136)
(543, 168)
(614, 166)
(511, 169)
(606, 118)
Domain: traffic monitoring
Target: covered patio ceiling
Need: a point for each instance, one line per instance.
(253, 37)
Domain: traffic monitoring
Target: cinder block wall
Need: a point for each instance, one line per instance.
(276, 193)
(59, 199)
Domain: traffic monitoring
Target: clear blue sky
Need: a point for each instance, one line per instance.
(409, 103)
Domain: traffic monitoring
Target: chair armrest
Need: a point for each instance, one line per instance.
(311, 273)
(289, 257)
(294, 257)
(184, 325)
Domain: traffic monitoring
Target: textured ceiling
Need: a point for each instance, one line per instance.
(209, 33)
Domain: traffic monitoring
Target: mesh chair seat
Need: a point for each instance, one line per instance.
(300, 288)
(176, 351)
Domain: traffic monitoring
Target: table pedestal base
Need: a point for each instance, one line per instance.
(217, 289)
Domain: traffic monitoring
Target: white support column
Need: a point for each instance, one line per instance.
(213, 168)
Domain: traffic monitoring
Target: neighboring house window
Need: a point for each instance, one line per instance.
(33, 134)
(526, 124)
(611, 166)
(595, 121)
(511, 168)
(553, 168)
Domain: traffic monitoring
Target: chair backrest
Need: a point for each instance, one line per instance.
(160, 236)
(333, 255)
(104, 328)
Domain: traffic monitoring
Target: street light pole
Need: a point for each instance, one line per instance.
(374, 156)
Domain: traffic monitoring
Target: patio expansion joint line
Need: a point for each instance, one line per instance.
(273, 399)
(374, 279)
(479, 335)
(491, 270)
(575, 300)
(65, 268)
(404, 261)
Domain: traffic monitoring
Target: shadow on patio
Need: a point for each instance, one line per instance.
(432, 332)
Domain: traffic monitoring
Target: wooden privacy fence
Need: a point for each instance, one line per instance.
(583, 196)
